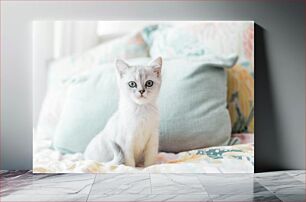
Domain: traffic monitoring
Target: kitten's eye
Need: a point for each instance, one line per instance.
(149, 83)
(132, 84)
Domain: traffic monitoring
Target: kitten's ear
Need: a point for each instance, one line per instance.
(157, 65)
(121, 66)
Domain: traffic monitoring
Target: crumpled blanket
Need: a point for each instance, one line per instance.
(222, 159)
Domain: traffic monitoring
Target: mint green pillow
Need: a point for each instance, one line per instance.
(192, 105)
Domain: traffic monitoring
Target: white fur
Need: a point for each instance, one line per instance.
(131, 135)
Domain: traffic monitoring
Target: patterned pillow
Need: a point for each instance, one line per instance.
(240, 99)
(202, 38)
(221, 38)
(130, 46)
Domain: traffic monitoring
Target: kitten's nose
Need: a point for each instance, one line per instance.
(142, 91)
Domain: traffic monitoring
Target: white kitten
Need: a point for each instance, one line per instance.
(131, 135)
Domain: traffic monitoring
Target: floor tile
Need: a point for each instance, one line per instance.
(151, 197)
(43, 198)
(245, 198)
(121, 184)
(171, 184)
(292, 197)
(287, 189)
(295, 171)
(13, 173)
(298, 175)
(3, 171)
(230, 184)
(279, 175)
(259, 189)
(47, 184)
(274, 186)
(227, 178)
(282, 183)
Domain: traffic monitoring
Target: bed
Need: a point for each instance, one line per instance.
(235, 157)
(238, 158)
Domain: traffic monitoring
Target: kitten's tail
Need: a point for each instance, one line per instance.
(118, 154)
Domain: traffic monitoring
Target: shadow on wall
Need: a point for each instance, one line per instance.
(268, 155)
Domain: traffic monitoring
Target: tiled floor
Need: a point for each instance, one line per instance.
(274, 186)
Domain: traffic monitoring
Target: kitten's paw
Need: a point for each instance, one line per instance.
(149, 163)
(130, 163)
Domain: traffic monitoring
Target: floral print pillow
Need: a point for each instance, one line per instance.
(240, 99)
(202, 38)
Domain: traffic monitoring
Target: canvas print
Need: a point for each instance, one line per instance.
(143, 96)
